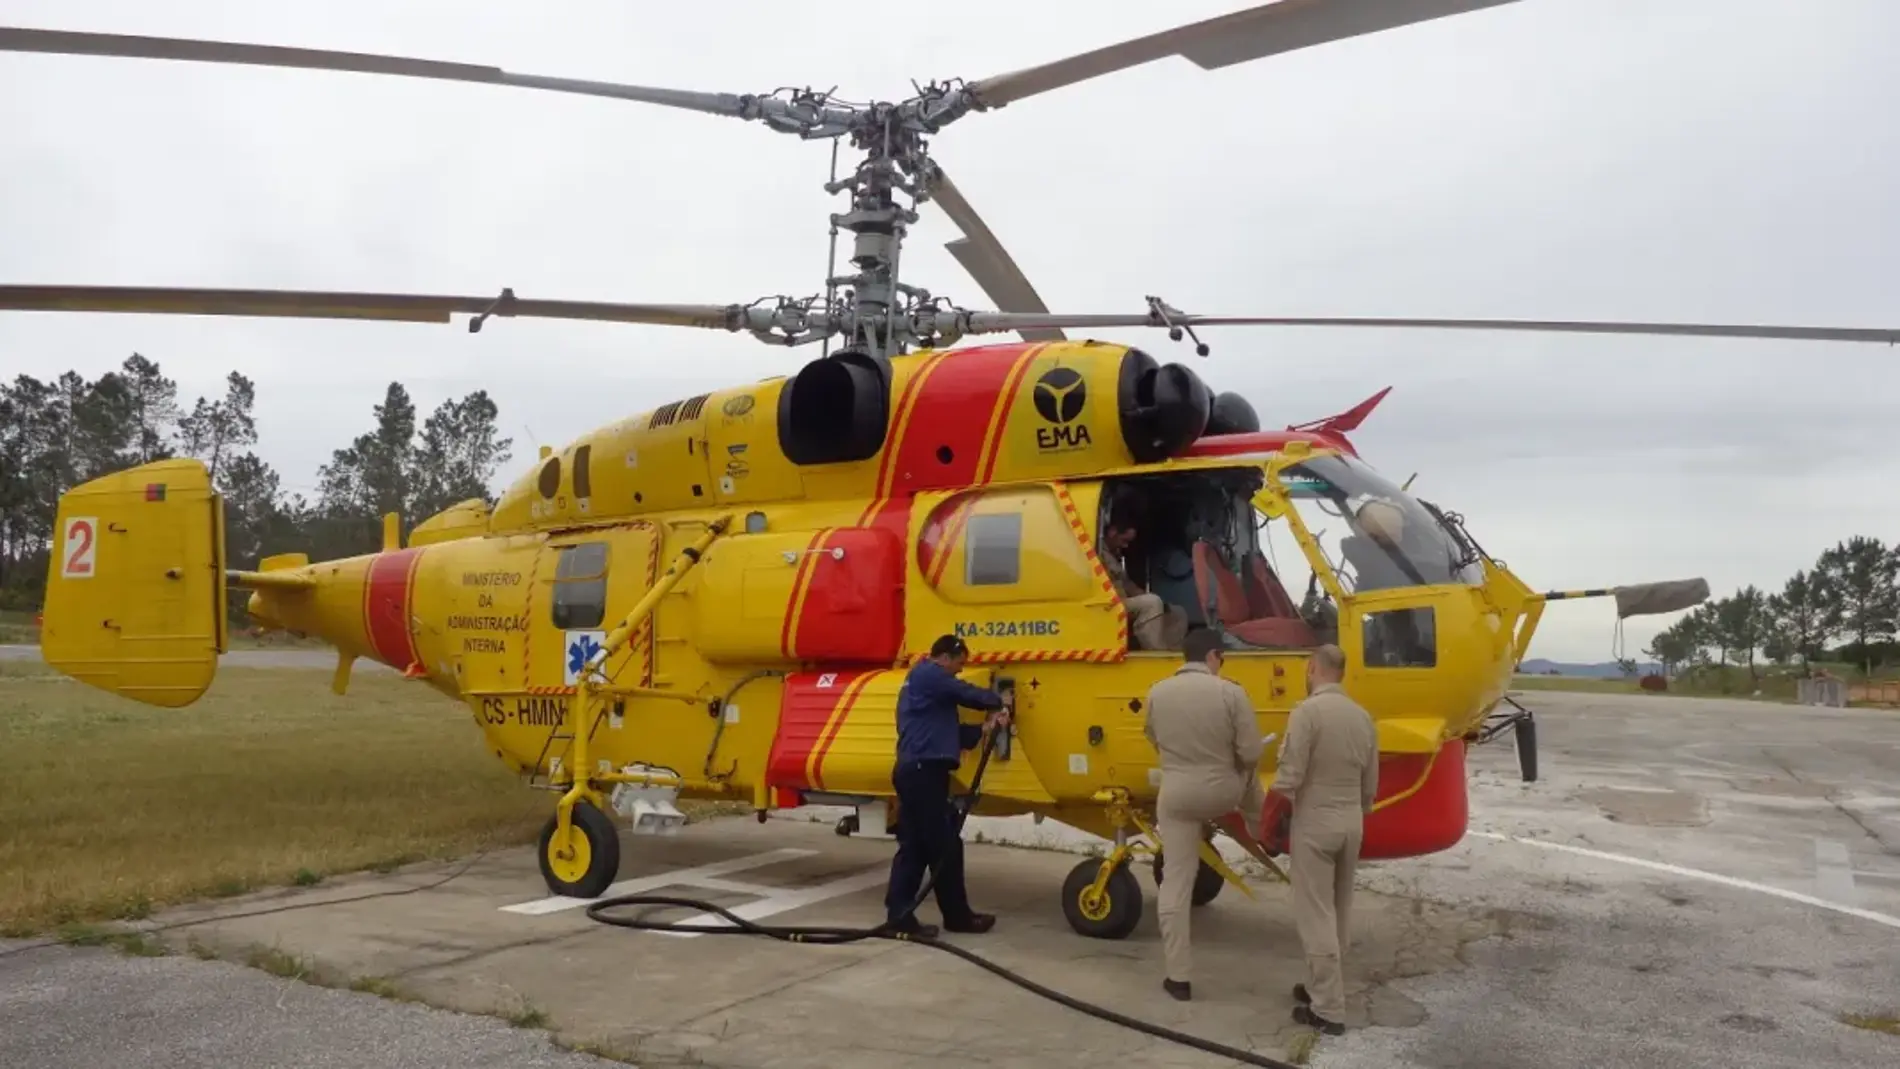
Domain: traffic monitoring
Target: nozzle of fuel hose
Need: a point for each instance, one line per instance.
(1006, 689)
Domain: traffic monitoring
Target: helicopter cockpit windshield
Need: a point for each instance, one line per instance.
(1377, 536)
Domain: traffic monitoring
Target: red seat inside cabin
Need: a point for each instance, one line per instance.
(1252, 604)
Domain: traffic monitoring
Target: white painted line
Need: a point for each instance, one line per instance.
(790, 900)
(1834, 872)
(1697, 874)
(557, 903)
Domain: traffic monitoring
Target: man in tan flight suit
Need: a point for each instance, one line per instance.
(1152, 623)
(1203, 726)
(1329, 772)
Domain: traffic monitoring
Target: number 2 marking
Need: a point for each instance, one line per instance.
(81, 547)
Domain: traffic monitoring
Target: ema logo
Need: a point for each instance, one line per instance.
(1059, 397)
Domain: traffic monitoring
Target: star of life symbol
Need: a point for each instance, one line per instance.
(582, 647)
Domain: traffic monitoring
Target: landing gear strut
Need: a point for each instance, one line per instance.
(1523, 727)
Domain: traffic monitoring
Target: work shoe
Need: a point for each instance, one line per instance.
(1180, 989)
(911, 928)
(1300, 996)
(974, 924)
(1304, 1014)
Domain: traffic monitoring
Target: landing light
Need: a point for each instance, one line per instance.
(649, 810)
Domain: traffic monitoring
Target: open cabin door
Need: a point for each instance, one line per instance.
(1013, 571)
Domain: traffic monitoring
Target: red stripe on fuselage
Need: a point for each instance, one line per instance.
(792, 607)
(386, 593)
(956, 411)
(993, 444)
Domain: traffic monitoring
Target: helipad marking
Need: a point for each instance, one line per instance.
(789, 900)
(1697, 874)
(680, 877)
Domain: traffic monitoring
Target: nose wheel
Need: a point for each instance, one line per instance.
(1101, 898)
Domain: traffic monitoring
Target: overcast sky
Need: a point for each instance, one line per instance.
(1688, 160)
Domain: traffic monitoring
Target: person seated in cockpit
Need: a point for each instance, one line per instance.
(1153, 624)
(1379, 556)
(1383, 559)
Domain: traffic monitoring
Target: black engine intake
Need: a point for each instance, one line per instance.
(1163, 408)
(835, 410)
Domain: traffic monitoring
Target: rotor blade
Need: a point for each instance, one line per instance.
(399, 307)
(993, 322)
(1226, 40)
(13, 39)
(985, 259)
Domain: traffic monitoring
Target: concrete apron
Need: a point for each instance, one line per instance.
(490, 941)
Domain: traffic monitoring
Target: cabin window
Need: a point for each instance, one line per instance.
(997, 547)
(583, 485)
(994, 555)
(580, 586)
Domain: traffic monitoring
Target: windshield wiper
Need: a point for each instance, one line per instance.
(1469, 552)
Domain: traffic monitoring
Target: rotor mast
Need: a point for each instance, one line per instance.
(879, 314)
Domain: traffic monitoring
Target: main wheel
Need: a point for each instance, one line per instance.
(1207, 881)
(592, 847)
(1113, 913)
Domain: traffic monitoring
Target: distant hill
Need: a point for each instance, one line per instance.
(1537, 666)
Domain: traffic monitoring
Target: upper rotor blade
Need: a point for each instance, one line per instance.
(993, 322)
(1223, 41)
(985, 259)
(399, 307)
(67, 42)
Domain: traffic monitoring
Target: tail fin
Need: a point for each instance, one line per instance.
(135, 590)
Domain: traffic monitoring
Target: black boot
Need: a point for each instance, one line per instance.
(1304, 1014)
(974, 924)
(1300, 996)
(1180, 989)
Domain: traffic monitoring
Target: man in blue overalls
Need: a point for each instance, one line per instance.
(930, 745)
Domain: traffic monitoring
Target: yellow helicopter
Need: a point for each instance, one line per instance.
(717, 598)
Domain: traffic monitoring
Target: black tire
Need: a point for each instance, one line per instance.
(1112, 918)
(846, 825)
(1207, 882)
(599, 838)
(1526, 737)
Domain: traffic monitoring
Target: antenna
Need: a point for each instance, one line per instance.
(831, 255)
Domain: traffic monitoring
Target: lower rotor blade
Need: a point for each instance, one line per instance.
(992, 322)
(985, 259)
(398, 307)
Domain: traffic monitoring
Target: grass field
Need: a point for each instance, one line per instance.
(112, 809)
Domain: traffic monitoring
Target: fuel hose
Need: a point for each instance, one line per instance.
(833, 936)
